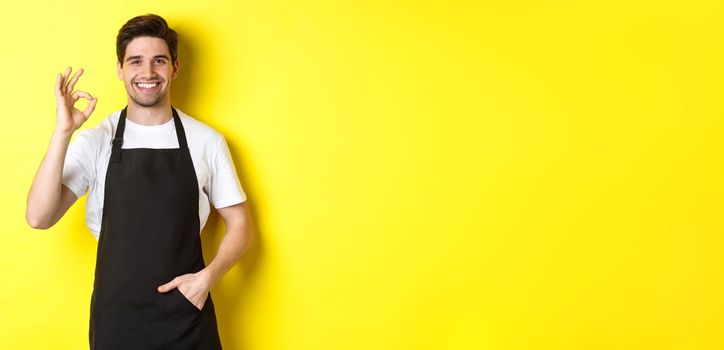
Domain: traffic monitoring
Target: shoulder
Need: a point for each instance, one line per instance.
(198, 132)
(100, 134)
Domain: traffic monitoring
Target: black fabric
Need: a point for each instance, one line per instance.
(149, 235)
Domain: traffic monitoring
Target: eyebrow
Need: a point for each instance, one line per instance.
(140, 56)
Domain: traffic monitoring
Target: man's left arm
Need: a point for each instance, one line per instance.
(236, 241)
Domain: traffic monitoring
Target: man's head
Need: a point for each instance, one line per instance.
(147, 25)
(147, 60)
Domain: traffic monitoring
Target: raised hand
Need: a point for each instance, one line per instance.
(69, 118)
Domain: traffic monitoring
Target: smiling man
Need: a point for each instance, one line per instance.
(151, 172)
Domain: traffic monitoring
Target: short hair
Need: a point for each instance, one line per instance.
(146, 25)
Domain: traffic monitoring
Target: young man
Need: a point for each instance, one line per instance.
(152, 171)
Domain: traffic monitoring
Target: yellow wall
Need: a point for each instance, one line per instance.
(423, 175)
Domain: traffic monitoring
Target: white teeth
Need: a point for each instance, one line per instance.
(146, 85)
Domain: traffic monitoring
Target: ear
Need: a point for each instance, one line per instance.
(175, 69)
(119, 71)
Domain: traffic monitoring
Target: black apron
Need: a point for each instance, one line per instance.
(149, 235)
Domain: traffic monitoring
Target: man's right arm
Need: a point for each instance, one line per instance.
(49, 199)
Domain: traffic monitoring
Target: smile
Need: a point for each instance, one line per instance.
(147, 86)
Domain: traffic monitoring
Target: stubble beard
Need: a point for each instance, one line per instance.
(149, 101)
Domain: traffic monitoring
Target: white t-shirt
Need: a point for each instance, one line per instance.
(86, 162)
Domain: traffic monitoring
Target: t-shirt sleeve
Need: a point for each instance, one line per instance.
(224, 188)
(79, 164)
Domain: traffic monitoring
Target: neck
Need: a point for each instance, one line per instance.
(155, 115)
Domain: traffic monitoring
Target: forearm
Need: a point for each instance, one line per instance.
(44, 198)
(236, 242)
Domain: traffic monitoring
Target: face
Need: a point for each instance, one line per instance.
(147, 71)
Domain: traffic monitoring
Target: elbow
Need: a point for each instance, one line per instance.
(38, 225)
(36, 221)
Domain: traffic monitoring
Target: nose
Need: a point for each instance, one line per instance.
(148, 72)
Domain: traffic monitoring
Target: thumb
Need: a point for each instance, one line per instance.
(168, 286)
(91, 106)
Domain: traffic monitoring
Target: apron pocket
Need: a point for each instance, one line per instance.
(181, 302)
(178, 321)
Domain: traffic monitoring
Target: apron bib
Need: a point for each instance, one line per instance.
(149, 235)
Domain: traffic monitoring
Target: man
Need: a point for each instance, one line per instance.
(152, 171)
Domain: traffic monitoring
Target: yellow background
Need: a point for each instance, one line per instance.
(422, 175)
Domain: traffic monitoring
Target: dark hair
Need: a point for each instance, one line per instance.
(147, 25)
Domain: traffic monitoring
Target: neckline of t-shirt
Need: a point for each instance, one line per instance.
(149, 128)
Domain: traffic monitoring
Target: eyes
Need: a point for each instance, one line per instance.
(159, 61)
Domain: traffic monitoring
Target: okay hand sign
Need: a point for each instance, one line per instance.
(69, 118)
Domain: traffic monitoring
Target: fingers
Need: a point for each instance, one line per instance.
(71, 84)
(78, 94)
(58, 91)
(168, 286)
(89, 109)
(63, 85)
(64, 78)
(91, 105)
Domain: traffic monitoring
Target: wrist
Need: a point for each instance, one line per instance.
(62, 134)
(211, 275)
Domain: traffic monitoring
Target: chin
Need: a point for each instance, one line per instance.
(147, 102)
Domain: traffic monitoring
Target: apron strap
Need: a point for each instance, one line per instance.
(180, 133)
(118, 137)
